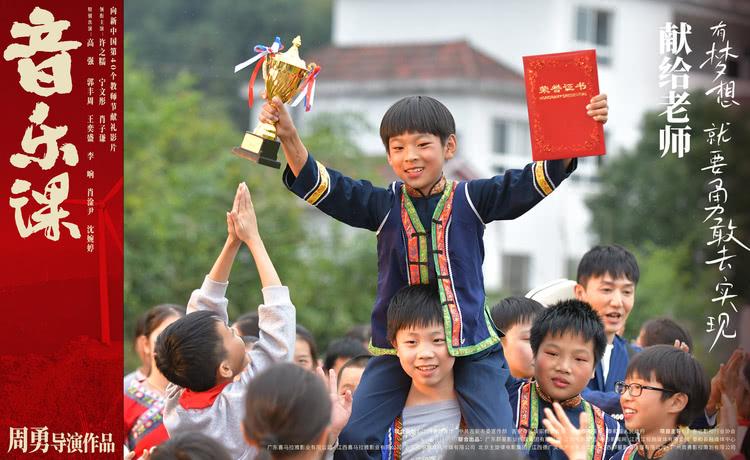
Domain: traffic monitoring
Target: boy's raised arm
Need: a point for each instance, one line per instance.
(275, 112)
(210, 296)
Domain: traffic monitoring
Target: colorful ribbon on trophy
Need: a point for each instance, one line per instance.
(308, 89)
(263, 51)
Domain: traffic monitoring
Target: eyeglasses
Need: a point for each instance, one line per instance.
(635, 389)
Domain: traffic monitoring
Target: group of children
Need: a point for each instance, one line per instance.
(536, 382)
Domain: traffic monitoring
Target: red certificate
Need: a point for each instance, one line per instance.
(558, 88)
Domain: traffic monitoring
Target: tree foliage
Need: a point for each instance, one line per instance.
(180, 178)
(656, 206)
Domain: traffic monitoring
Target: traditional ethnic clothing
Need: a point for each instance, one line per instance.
(600, 390)
(529, 401)
(218, 412)
(144, 420)
(422, 239)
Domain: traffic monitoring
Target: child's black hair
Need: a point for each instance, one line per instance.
(664, 331)
(417, 114)
(570, 316)
(361, 332)
(359, 362)
(413, 306)
(342, 348)
(285, 405)
(191, 445)
(247, 324)
(677, 371)
(307, 336)
(190, 350)
(514, 310)
(613, 259)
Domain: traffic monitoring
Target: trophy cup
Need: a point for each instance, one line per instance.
(283, 73)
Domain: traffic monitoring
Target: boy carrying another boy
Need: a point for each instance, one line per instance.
(429, 229)
(205, 360)
(568, 341)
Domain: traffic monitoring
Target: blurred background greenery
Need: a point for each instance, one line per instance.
(183, 115)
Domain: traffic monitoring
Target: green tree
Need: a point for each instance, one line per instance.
(180, 179)
(655, 206)
(207, 39)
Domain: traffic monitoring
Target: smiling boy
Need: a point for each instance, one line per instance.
(429, 229)
(567, 341)
(431, 416)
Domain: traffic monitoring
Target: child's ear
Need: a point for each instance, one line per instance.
(451, 145)
(143, 345)
(225, 370)
(677, 403)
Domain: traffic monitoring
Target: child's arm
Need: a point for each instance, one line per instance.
(210, 296)
(294, 150)
(511, 194)
(277, 318)
(354, 202)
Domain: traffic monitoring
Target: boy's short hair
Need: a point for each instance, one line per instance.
(664, 331)
(190, 350)
(417, 114)
(675, 370)
(359, 362)
(343, 348)
(573, 316)
(613, 259)
(413, 306)
(514, 310)
(190, 446)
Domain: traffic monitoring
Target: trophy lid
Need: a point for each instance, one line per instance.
(291, 56)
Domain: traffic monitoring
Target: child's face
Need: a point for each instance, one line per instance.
(234, 346)
(563, 365)
(424, 356)
(518, 352)
(418, 158)
(302, 354)
(611, 298)
(647, 413)
(350, 378)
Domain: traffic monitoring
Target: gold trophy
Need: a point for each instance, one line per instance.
(283, 73)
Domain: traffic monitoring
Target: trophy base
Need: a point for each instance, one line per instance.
(259, 150)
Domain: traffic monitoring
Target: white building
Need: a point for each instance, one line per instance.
(468, 55)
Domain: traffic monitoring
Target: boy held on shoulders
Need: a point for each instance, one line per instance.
(205, 360)
(429, 229)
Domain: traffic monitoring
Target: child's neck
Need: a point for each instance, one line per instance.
(659, 438)
(611, 338)
(157, 380)
(419, 394)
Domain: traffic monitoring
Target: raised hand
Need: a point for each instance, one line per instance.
(598, 108)
(562, 434)
(341, 405)
(243, 218)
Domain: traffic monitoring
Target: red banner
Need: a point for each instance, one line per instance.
(61, 227)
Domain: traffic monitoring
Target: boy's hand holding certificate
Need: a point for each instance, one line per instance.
(558, 89)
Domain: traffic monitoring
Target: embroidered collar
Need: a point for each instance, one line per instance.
(662, 450)
(201, 399)
(436, 188)
(570, 403)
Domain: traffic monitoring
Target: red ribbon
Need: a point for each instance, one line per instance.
(251, 84)
(309, 84)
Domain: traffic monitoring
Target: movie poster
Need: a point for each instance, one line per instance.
(120, 121)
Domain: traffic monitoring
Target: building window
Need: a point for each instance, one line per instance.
(516, 269)
(500, 136)
(594, 27)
